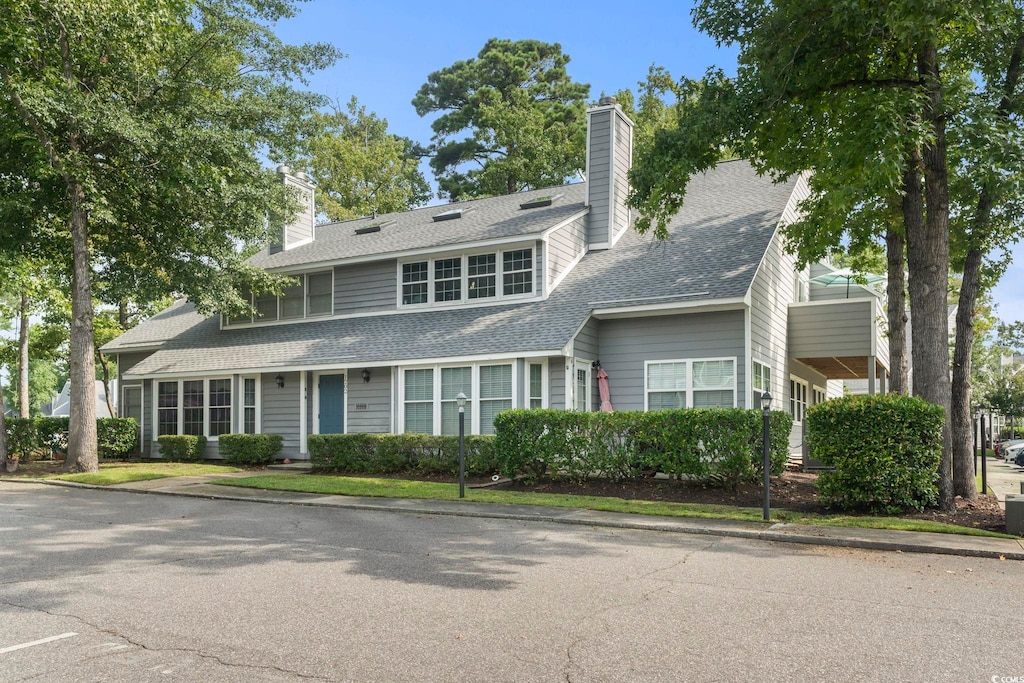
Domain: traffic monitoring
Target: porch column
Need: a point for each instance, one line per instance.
(302, 412)
(871, 376)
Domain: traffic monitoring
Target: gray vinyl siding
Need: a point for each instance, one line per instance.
(585, 346)
(281, 410)
(366, 287)
(147, 417)
(832, 330)
(556, 382)
(126, 361)
(623, 161)
(771, 292)
(302, 226)
(598, 176)
(522, 387)
(626, 343)
(538, 267)
(881, 333)
(564, 246)
(369, 403)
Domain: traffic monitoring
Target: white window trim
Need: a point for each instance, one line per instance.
(464, 300)
(258, 406)
(588, 366)
(181, 408)
(316, 398)
(689, 378)
(543, 363)
(472, 404)
(792, 399)
(306, 315)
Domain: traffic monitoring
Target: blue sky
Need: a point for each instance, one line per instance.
(392, 46)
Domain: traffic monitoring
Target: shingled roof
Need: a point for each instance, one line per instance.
(716, 243)
(484, 219)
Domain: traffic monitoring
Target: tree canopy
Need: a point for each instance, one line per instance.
(360, 169)
(151, 120)
(511, 118)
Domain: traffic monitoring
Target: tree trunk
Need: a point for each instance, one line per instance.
(6, 464)
(960, 403)
(122, 315)
(928, 261)
(896, 301)
(23, 403)
(106, 382)
(82, 450)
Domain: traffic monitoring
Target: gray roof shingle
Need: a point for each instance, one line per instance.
(716, 244)
(485, 219)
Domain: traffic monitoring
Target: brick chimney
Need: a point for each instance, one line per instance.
(609, 157)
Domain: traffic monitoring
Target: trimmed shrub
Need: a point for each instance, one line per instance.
(47, 437)
(394, 453)
(250, 449)
(182, 447)
(885, 451)
(117, 436)
(721, 445)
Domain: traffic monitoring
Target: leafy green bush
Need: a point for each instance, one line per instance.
(393, 453)
(250, 449)
(885, 451)
(117, 436)
(182, 447)
(47, 437)
(721, 445)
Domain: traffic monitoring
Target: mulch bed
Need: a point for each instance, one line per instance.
(794, 491)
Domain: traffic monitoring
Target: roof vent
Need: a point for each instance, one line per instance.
(372, 227)
(449, 215)
(538, 202)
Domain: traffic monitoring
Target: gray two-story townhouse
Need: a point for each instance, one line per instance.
(515, 301)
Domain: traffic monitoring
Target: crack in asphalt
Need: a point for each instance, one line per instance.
(139, 644)
(644, 597)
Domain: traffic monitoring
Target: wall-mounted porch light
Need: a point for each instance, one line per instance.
(280, 381)
(366, 375)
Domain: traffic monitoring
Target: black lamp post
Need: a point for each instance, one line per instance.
(984, 454)
(461, 400)
(766, 412)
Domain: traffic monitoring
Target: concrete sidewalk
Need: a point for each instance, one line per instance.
(873, 539)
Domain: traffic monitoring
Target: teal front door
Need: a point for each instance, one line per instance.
(332, 404)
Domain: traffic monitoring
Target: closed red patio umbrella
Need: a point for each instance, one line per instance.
(602, 387)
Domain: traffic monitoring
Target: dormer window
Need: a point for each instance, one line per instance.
(468, 278)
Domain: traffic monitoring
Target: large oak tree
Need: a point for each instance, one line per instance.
(154, 118)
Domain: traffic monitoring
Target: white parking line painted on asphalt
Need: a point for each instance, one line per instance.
(41, 641)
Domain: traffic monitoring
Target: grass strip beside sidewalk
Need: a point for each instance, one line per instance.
(370, 487)
(123, 473)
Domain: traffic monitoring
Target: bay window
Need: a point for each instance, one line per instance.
(419, 401)
(495, 394)
(797, 398)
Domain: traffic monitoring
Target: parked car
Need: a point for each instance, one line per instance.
(1011, 453)
(1019, 460)
(1003, 443)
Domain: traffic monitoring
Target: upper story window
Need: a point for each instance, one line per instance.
(309, 296)
(468, 277)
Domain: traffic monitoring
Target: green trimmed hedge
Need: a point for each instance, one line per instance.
(392, 453)
(723, 445)
(250, 449)
(47, 437)
(884, 451)
(182, 447)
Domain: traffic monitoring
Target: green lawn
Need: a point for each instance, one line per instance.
(122, 473)
(403, 488)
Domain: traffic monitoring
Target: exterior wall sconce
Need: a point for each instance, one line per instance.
(280, 381)
(596, 364)
(366, 375)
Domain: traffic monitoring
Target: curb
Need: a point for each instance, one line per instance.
(664, 524)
